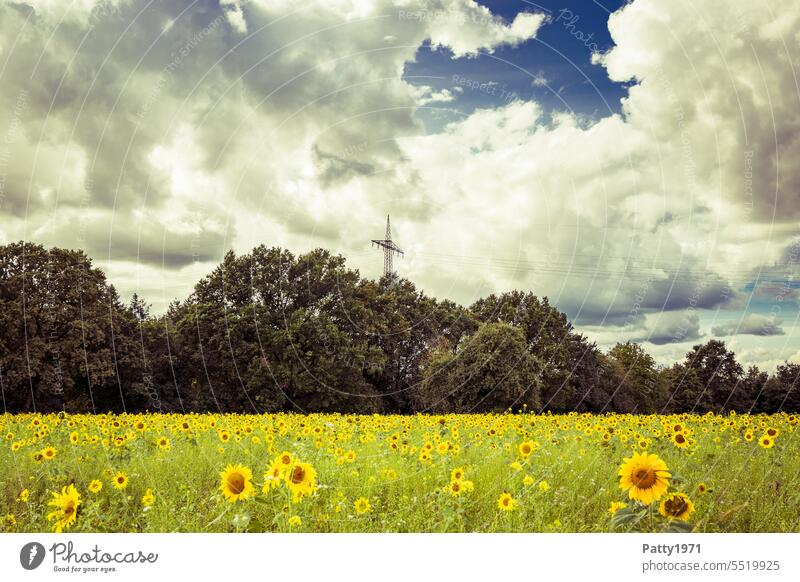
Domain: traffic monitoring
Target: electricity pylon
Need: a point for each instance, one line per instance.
(389, 249)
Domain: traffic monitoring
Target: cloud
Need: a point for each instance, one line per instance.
(752, 324)
(673, 328)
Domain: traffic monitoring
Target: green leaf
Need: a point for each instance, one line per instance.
(679, 527)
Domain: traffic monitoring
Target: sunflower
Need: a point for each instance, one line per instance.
(676, 506)
(95, 486)
(679, 440)
(525, 449)
(49, 453)
(120, 480)
(528, 480)
(616, 506)
(148, 498)
(544, 486)
(66, 508)
(766, 442)
(772, 432)
(301, 478)
(702, 488)
(24, 495)
(457, 487)
(285, 459)
(644, 477)
(74, 438)
(457, 474)
(362, 505)
(506, 503)
(235, 483)
(163, 443)
(273, 476)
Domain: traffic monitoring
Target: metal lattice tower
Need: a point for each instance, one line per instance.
(389, 249)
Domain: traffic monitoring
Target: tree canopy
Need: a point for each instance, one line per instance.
(272, 331)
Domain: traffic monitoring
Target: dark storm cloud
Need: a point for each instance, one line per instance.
(753, 324)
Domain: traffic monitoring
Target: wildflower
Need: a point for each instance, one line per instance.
(95, 486)
(544, 486)
(24, 495)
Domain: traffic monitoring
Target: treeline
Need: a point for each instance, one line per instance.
(270, 331)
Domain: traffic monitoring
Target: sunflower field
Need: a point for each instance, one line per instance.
(373, 473)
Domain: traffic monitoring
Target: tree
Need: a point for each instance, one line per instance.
(638, 377)
(717, 370)
(547, 332)
(491, 371)
(685, 391)
(782, 392)
(748, 395)
(59, 321)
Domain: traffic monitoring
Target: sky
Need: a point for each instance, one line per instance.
(632, 161)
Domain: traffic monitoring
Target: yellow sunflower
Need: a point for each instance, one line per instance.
(148, 499)
(273, 476)
(525, 449)
(95, 486)
(676, 506)
(616, 506)
(301, 478)
(506, 503)
(66, 508)
(120, 480)
(679, 440)
(644, 477)
(766, 442)
(362, 505)
(235, 483)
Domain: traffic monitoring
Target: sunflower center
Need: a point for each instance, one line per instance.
(675, 507)
(679, 439)
(236, 483)
(69, 509)
(644, 478)
(298, 474)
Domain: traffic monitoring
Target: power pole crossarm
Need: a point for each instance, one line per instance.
(389, 249)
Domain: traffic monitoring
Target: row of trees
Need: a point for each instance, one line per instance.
(269, 331)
